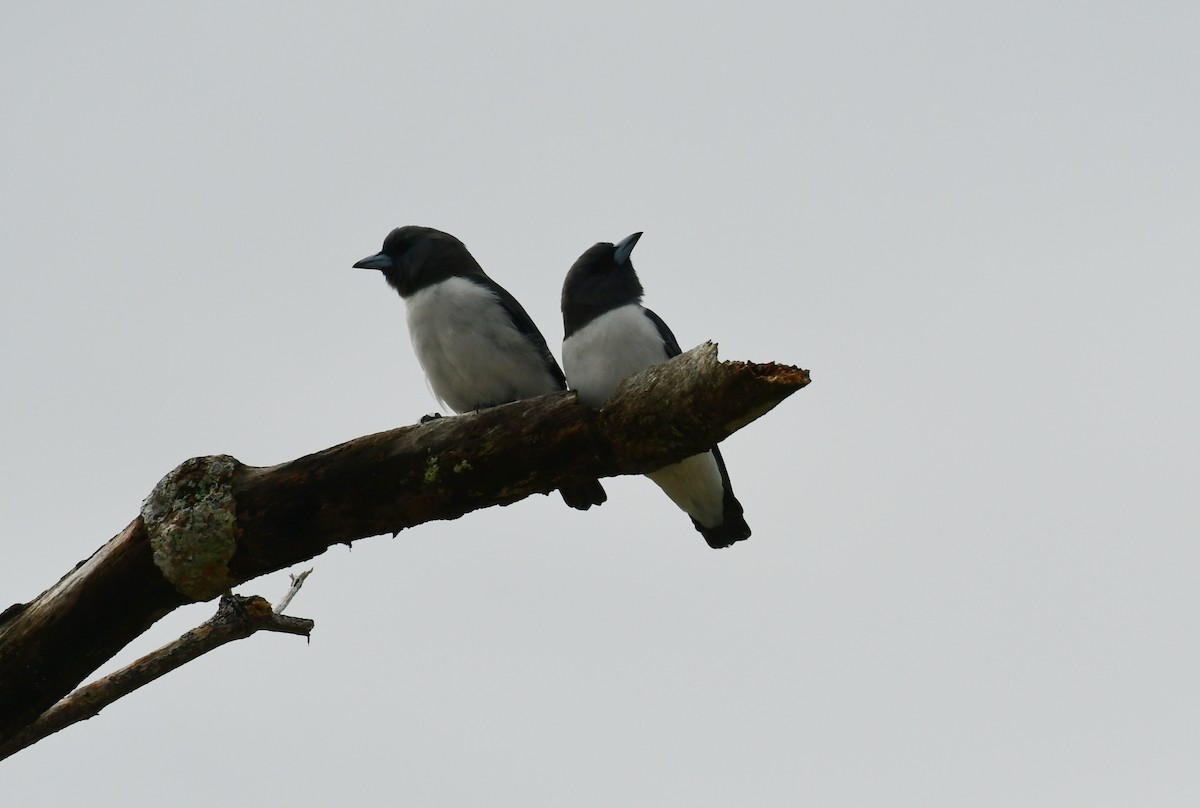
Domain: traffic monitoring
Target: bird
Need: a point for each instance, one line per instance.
(608, 336)
(477, 345)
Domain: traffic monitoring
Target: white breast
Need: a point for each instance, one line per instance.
(609, 349)
(615, 345)
(470, 351)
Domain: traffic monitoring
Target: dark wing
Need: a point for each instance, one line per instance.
(669, 342)
(733, 527)
(524, 323)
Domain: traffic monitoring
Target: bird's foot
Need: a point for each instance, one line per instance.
(433, 416)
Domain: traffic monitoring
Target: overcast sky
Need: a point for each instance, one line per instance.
(973, 575)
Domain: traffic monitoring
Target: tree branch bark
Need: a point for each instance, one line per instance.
(213, 522)
(237, 618)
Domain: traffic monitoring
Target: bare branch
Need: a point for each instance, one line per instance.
(237, 617)
(297, 582)
(213, 522)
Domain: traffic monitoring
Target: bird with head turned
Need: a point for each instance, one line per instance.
(608, 336)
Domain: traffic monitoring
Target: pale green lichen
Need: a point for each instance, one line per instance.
(191, 519)
(463, 466)
(431, 470)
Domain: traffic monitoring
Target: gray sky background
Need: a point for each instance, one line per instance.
(972, 579)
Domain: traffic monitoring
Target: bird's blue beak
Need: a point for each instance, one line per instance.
(376, 261)
(624, 248)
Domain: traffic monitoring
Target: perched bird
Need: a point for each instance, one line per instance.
(476, 344)
(609, 336)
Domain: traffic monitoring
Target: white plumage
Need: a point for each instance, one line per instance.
(471, 352)
(614, 346)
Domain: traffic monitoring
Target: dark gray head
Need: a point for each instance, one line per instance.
(602, 279)
(415, 257)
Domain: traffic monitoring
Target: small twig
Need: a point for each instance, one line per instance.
(237, 617)
(297, 582)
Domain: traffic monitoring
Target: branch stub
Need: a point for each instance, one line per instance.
(191, 519)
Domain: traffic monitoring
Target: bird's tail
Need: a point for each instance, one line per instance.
(733, 529)
(585, 495)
